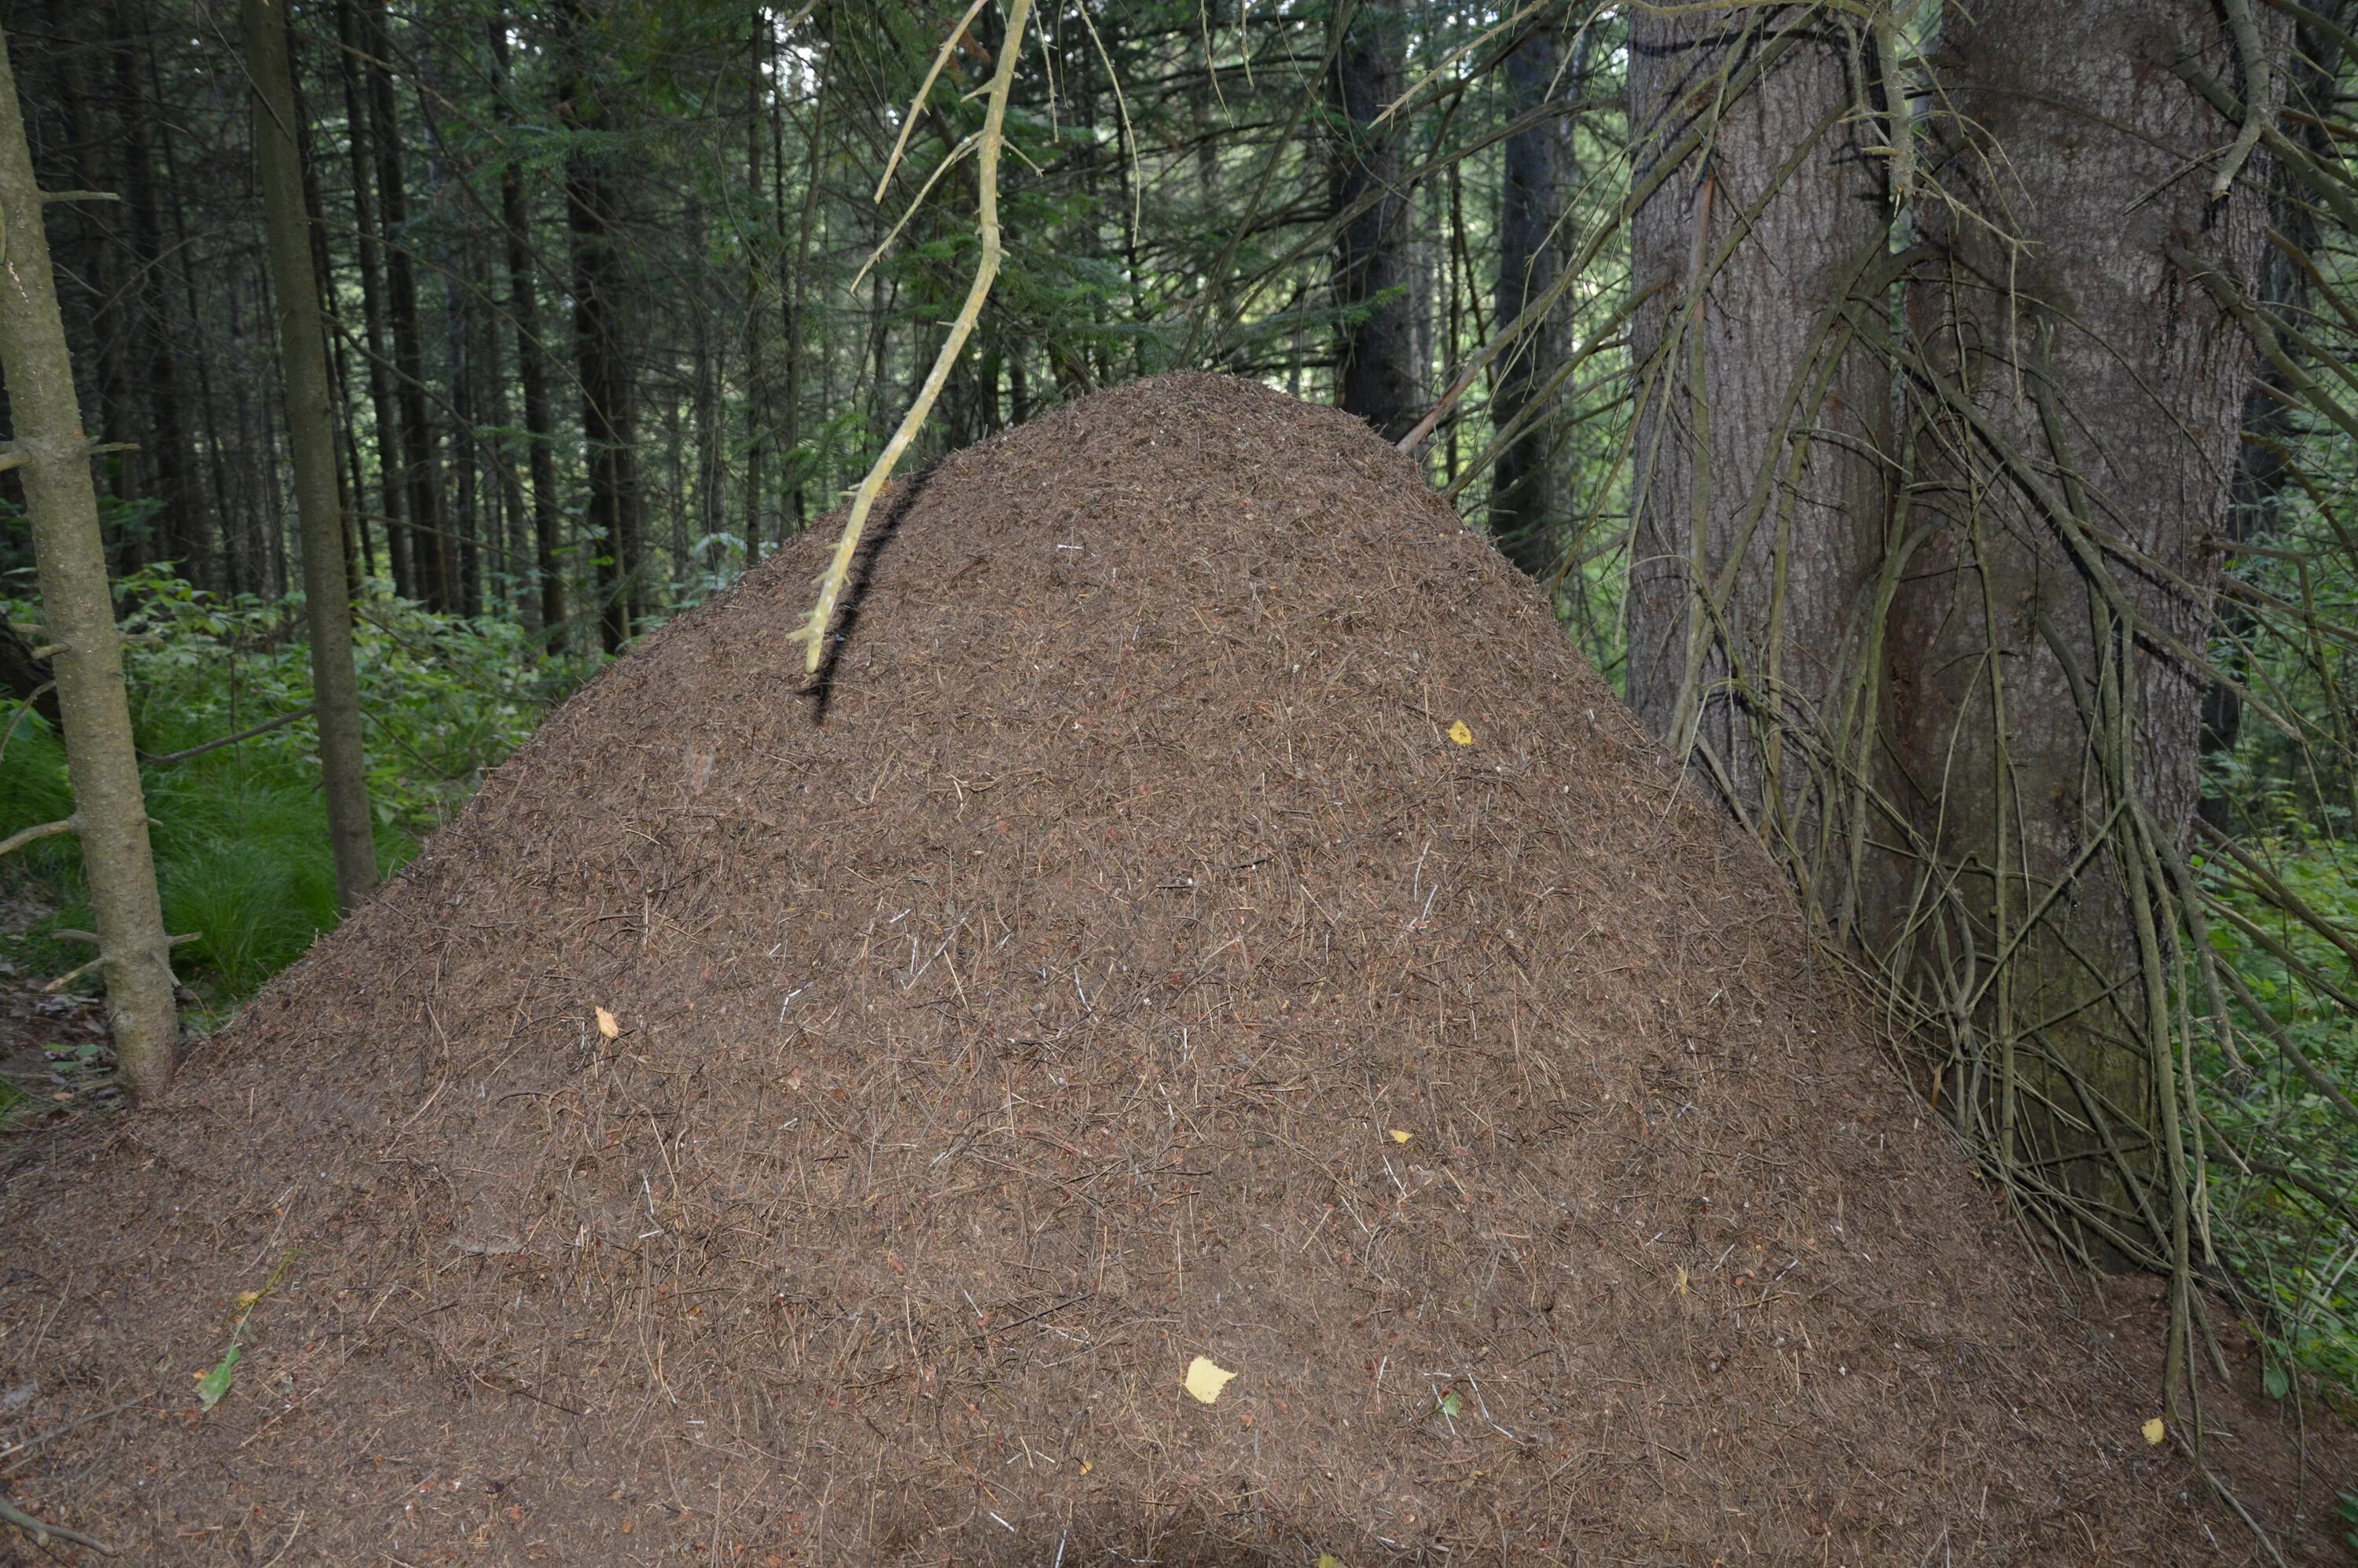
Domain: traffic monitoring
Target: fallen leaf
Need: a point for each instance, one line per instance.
(1400, 1135)
(607, 1026)
(213, 1386)
(2154, 1431)
(1206, 1379)
(1451, 1404)
(1682, 1282)
(1328, 1560)
(1461, 734)
(245, 1300)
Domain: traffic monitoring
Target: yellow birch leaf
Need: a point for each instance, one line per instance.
(607, 1026)
(1205, 1380)
(2154, 1431)
(1461, 734)
(1328, 1560)
(1400, 1135)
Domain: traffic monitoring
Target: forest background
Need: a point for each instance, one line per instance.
(1943, 438)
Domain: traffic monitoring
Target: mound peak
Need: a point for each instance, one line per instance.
(1209, 912)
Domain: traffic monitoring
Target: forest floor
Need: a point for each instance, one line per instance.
(1207, 921)
(55, 1056)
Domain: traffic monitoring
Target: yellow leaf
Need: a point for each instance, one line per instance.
(1400, 1135)
(245, 1300)
(1328, 1560)
(2154, 1431)
(1461, 734)
(607, 1026)
(1682, 1282)
(1205, 1380)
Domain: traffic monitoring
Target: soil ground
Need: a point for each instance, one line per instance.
(1207, 910)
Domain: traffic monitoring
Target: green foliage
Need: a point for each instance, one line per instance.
(240, 838)
(2285, 1225)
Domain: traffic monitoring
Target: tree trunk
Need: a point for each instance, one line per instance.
(78, 612)
(303, 359)
(1374, 273)
(1521, 479)
(607, 415)
(2084, 394)
(797, 462)
(532, 358)
(757, 287)
(390, 464)
(421, 478)
(1758, 496)
(180, 533)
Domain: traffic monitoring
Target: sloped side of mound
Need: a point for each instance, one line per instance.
(1209, 912)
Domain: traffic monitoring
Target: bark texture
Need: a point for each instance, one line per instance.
(78, 612)
(1758, 484)
(311, 442)
(2083, 394)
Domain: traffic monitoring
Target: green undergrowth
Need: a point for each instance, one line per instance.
(2283, 1174)
(240, 833)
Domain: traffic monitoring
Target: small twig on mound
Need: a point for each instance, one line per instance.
(43, 1534)
(812, 632)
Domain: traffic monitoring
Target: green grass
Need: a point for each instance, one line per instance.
(240, 834)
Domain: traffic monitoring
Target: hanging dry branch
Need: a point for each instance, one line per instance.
(812, 632)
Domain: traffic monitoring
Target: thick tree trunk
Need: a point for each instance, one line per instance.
(78, 612)
(606, 412)
(2084, 394)
(1760, 497)
(1377, 377)
(310, 435)
(1523, 477)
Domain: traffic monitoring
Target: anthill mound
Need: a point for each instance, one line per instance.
(1209, 911)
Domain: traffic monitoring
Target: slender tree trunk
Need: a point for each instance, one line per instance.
(1521, 479)
(757, 287)
(797, 301)
(607, 413)
(237, 565)
(390, 464)
(1374, 272)
(421, 478)
(181, 524)
(78, 612)
(532, 358)
(1759, 492)
(303, 359)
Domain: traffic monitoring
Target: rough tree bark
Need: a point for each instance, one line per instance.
(1377, 377)
(78, 612)
(1760, 491)
(303, 359)
(2084, 393)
